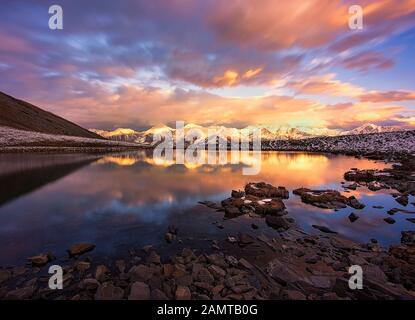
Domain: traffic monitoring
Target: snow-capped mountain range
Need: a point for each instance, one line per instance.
(268, 133)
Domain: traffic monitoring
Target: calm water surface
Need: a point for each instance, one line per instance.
(48, 202)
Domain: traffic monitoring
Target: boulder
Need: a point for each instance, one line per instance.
(264, 190)
(108, 291)
(139, 291)
(277, 222)
(408, 237)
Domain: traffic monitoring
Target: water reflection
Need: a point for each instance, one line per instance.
(130, 199)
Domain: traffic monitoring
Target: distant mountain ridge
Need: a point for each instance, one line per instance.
(18, 114)
(268, 133)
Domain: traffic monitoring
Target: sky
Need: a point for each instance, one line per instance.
(138, 63)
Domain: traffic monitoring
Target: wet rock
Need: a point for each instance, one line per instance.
(396, 210)
(353, 217)
(183, 293)
(80, 248)
(232, 239)
(108, 291)
(231, 260)
(360, 175)
(323, 229)
(352, 186)
(403, 200)
(408, 237)
(327, 199)
(277, 222)
(232, 212)
(41, 259)
(354, 203)
(148, 248)
(139, 291)
(254, 226)
(237, 194)
(264, 190)
(378, 207)
(376, 186)
(411, 220)
(18, 271)
(389, 220)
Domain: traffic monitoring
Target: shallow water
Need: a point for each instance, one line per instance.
(119, 201)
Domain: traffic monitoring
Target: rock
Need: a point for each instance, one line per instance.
(4, 275)
(264, 190)
(80, 248)
(353, 217)
(376, 186)
(378, 207)
(108, 291)
(153, 258)
(323, 229)
(232, 239)
(277, 222)
(395, 210)
(183, 293)
(217, 271)
(360, 175)
(237, 194)
(101, 273)
(389, 220)
(254, 226)
(403, 200)
(232, 212)
(141, 272)
(352, 186)
(327, 199)
(356, 260)
(40, 260)
(354, 203)
(169, 237)
(231, 260)
(411, 220)
(321, 282)
(408, 237)
(139, 291)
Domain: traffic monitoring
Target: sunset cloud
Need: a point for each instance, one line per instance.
(137, 63)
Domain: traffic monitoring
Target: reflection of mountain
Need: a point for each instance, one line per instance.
(208, 134)
(19, 177)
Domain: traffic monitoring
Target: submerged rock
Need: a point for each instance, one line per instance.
(389, 220)
(277, 222)
(323, 229)
(41, 259)
(353, 217)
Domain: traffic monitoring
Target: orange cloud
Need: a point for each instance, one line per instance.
(388, 96)
(326, 85)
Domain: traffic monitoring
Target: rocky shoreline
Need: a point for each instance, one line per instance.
(292, 265)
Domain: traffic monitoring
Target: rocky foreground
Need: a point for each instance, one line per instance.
(291, 265)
